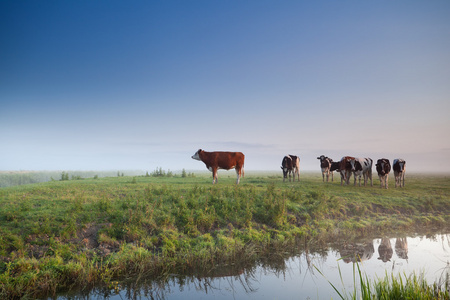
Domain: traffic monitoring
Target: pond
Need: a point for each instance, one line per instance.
(288, 276)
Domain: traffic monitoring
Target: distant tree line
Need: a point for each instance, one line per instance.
(159, 172)
(29, 177)
(14, 178)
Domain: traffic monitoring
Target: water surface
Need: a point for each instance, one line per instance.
(297, 276)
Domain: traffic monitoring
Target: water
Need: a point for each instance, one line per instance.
(297, 277)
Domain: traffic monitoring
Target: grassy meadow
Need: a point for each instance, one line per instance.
(65, 234)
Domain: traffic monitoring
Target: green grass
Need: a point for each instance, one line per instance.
(392, 287)
(60, 235)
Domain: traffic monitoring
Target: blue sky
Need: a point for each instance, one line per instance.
(105, 85)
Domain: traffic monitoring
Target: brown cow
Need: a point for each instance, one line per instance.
(222, 160)
(346, 167)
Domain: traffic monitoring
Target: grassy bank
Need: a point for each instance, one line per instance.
(61, 235)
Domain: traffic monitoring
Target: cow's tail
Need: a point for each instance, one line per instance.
(243, 172)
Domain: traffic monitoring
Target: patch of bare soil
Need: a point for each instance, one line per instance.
(89, 239)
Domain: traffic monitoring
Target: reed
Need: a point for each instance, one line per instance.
(391, 287)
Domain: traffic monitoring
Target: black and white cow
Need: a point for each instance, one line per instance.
(399, 171)
(325, 165)
(362, 167)
(291, 164)
(334, 167)
(383, 167)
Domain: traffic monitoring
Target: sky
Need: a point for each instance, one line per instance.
(140, 85)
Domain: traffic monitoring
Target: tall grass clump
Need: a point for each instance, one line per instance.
(392, 287)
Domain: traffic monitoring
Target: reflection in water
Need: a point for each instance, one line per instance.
(291, 274)
(357, 252)
(385, 250)
(401, 247)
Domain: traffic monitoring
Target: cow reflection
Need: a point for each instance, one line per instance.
(385, 250)
(357, 252)
(401, 248)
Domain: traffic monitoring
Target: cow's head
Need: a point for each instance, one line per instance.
(350, 164)
(383, 166)
(380, 167)
(399, 165)
(402, 164)
(346, 165)
(325, 162)
(197, 155)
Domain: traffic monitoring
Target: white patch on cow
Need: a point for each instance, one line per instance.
(238, 176)
(352, 163)
(366, 172)
(196, 156)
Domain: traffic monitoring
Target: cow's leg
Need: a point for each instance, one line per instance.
(214, 171)
(331, 176)
(345, 177)
(396, 178)
(381, 181)
(403, 179)
(238, 174)
(386, 181)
